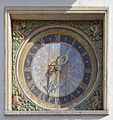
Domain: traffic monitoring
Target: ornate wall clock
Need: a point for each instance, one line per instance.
(55, 61)
(57, 66)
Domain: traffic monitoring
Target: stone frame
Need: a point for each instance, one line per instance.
(52, 13)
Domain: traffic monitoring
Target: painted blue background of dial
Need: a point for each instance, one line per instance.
(71, 73)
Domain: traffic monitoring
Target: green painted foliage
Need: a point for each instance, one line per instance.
(21, 29)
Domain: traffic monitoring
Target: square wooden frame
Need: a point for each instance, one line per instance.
(52, 13)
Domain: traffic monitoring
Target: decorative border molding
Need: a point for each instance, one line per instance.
(52, 13)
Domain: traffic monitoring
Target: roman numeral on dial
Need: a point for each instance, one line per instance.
(42, 42)
(88, 70)
(83, 85)
(57, 37)
(28, 69)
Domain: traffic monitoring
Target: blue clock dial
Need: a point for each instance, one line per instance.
(57, 68)
(68, 72)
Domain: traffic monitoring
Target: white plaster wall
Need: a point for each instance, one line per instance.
(108, 3)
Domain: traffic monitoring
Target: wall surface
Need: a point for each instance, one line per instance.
(107, 3)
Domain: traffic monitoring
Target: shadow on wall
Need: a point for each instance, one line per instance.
(37, 3)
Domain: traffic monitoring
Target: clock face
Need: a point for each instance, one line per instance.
(57, 69)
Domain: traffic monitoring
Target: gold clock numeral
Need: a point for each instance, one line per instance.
(50, 39)
(32, 86)
(83, 85)
(29, 53)
(79, 47)
(49, 99)
(72, 96)
(73, 42)
(28, 77)
(30, 83)
(78, 91)
(36, 90)
(86, 61)
(88, 70)
(41, 96)
(56, 100)
(65, 38)
(42, 42)
(57, 38)
(83, 54)
(35, 47)
(28, 61)
(65, 99)
(27, 69)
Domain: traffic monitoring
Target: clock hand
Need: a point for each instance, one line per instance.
(56, 76)
(46, 87)
(49, 87)
(64, 58)
(48, 74)
(48, 80)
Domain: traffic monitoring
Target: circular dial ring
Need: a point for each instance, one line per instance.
(63, 91)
